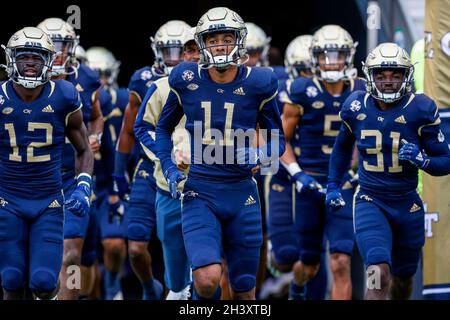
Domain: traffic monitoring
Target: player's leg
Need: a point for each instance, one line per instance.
(408, 240)
(177, 266)
(261, 275)
(13, 253)
(242, 238)
(280, 225)
(46, 246)
(141, 219)
(339, 232)
(373, 235)
(89, 255)
(284, 237)
(202, 236)
(112, 233)
(75, 229)
(310, 223)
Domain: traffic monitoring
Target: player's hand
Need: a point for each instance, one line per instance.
(173, 177)
(94, 142)
(79, 201)
(182, 159)
(251, 157)
(334, 197)
(116, 210)
(304, 182)
(121, 185)
(412, 153)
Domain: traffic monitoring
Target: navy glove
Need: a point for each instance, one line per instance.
(251, 157)
(79, 201)
(334, 197)
(116, 212)
(121, 185)
(173, 177)
(412, 153)
(304, 182)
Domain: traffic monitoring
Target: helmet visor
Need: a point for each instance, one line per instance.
(66, 49)
(172, 55)
(331, 59)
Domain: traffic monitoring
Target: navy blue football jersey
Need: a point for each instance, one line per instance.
(380, 134)
(319, 124)
(213, 112)
(113, 103)
(141, 80)
(32, 137)
(87, 82)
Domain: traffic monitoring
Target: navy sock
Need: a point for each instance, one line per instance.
(152, 290)
(296, 292)
(112, 284)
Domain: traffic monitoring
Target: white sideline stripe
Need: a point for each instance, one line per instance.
(434, 291)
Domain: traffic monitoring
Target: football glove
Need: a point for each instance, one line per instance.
(79, 201)
(412, 153)
(173, 177)
(304, 182)
(334, 197)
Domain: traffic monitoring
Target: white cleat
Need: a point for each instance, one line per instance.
(181, 295)
(118, 296)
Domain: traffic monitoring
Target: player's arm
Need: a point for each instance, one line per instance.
(290, 118)
(76, 132)
(125, 143)
(340, 158)
(96, 123)
(435, 160)
(146, 120)
(171, 115)
(269, 119)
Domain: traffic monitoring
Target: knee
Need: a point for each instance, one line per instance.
(72, 256)
(286, 256)
(136, 249)
(306, 272)
(43, 280)
(207, 280)
(340, 265)
(113, 248)
(378, 276)
(12, 279)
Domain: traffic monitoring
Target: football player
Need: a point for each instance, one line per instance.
(107, 206)
(283, 236)
(313, 105)
(396, 134)
(37, 115)
(141, 216)
(168, 210)
(87, 83)
(222, 101)
(258, 44)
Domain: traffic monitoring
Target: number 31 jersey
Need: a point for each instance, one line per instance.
(380, 134)
(32, 137)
